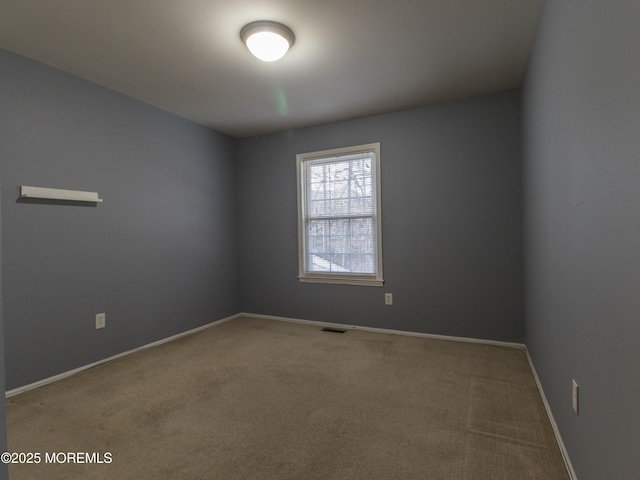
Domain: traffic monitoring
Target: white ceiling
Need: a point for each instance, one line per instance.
(351, 58)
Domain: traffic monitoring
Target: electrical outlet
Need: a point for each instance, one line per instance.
(388, 298)
(574, 395)
(101, 320)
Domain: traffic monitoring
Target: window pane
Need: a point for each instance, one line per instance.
(341, 188)
(342, 245)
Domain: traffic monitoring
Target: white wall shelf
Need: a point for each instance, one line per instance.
(58, 194)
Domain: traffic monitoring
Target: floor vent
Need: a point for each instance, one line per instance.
(333, 330)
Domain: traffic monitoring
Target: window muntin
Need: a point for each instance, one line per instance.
(339, 216)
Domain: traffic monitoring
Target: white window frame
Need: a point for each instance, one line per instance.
(304, 274)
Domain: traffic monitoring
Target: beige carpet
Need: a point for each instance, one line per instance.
(257, 399)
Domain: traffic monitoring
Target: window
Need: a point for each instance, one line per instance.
(339, 226)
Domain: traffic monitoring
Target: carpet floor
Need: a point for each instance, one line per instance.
(259, 399)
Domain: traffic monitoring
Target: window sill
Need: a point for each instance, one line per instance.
(342, 280)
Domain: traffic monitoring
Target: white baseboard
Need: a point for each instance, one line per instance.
(554, 425)
(520, 346)
(60, 376)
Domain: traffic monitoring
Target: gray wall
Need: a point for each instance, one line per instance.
(582, 227)
(4, 469)
(159, 256)
(451, 215)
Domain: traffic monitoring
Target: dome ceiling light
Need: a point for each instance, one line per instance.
(267, 40)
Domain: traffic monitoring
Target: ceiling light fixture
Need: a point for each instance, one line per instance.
(267, 40)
